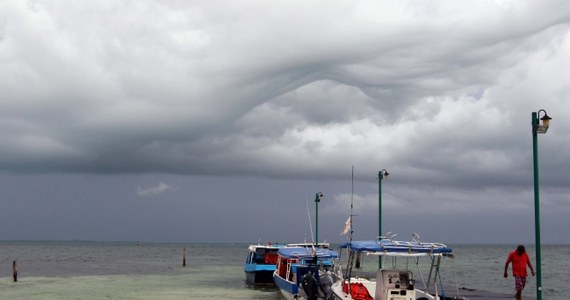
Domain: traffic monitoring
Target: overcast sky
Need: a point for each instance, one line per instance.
(219, 121)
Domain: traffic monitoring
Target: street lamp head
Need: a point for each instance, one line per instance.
(542, 128)
(546, 120)
(318, 197)
(383, 174)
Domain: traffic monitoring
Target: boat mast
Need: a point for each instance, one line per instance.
(351, 253)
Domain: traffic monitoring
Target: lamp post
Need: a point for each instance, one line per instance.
(536, 129)
(381, 176)
(318, 197)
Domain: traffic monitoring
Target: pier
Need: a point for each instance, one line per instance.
(476, 294)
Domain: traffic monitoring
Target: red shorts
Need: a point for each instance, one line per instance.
(520, 282)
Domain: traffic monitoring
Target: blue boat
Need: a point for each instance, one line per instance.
(306, 273)
(260, 263)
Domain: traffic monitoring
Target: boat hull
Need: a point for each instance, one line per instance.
(288, 289)
(364, 286)
(263, 277)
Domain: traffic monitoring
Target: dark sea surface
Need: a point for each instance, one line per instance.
(114, 270)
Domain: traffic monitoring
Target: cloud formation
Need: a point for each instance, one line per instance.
(154, 190)
(170, 87)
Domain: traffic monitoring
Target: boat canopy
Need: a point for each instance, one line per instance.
(310, 245)
(306, 253)
(398, 248)
(253, 248)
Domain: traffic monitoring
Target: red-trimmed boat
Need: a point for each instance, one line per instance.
(306, 273)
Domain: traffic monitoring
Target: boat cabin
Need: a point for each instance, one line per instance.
(262, 254)
(395, 285)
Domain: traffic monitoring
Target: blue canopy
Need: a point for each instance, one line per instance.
(305, 253)
(390, 247)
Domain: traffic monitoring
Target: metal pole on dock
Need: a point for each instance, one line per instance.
(184, 257)
(318, 197)
(537, 128)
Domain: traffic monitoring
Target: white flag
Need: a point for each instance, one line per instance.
(346, 226)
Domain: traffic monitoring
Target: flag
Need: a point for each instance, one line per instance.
(346, 226)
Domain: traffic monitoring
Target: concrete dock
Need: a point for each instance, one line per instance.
(475, 294)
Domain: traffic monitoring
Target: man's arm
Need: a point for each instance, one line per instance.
(509, 259)
(530, 266)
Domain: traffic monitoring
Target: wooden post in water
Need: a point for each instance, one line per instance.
(184, 257)
(14, 271)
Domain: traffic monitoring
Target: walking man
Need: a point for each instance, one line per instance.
(520, 261)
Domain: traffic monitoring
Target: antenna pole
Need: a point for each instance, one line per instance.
(309, 216)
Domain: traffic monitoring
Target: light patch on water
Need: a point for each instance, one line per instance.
(125, 287)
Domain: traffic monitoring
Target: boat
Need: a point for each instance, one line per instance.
(260, 263)
(306, 272)
(394, 282)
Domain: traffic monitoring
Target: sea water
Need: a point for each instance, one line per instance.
(105, 270)
(483, 266)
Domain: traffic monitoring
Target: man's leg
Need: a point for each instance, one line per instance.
(520, 282)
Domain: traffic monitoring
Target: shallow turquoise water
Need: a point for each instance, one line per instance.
(79, 270)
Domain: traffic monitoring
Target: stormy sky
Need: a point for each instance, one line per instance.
(219, 121)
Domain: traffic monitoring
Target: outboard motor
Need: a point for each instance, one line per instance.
(309, 285)
(326, 285)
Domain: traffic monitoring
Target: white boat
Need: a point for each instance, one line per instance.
(394, 282)
(306, 273)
